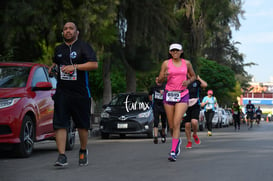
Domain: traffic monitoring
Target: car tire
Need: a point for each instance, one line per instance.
(70, 138)
(104, 135)
(25, 147)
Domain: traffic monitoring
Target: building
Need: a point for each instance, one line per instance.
(260, 94)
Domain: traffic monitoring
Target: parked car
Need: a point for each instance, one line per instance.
(225, 118)
(216, 120)
(201, 121)
(230, 117)
(127, 113)
(26, 107)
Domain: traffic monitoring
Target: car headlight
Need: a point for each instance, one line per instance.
(7, 102)
(144, 114)
(104, 115)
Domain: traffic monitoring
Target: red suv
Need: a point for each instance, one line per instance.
(26, 107)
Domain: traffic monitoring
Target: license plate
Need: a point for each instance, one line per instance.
(122, 125)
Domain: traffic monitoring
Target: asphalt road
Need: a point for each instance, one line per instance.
(226, 156)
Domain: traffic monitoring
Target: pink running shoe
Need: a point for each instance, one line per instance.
(196, 139)
(189, 145)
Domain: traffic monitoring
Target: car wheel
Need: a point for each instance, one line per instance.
(25, 147)
(70, 138)
(104, 135)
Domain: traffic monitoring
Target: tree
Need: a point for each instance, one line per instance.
(205, 28)
(143, 27)
(133, 33)
(23, 26)
(32, 29)
(220, 79)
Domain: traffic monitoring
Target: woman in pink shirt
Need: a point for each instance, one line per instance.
(179, 74)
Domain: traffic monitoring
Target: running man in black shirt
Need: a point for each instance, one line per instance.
(73, 59)
(250, 111)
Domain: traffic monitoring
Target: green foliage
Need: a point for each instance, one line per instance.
(136, 32)
(146, 80)
(117, 81)
(96, 83)
(237, 92)
(144, 27)
(7, 56)
(47, 54)
(220, 79)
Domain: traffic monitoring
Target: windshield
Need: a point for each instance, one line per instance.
(13, 76)
(122, 100)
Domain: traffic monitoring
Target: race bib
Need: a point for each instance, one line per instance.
(236, 112)
(173, 96)
(68, 76)
(209, 106)
(158, 95)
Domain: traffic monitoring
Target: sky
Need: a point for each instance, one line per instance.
(256, 37)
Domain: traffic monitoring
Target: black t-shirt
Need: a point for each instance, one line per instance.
(259, 112)
(250, 108)
(194, 89)
(157, 96)
(77, 53)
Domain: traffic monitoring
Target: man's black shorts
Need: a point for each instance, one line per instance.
(75, 107)
(192, 113)
(249, 116)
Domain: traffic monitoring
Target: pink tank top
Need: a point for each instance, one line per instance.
(176, 76)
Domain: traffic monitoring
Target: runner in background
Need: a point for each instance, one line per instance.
(209, 103)
(258, 115)
(236, 110)
(193, 111)
(250, 111)
(156, 96)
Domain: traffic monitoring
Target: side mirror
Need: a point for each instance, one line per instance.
(42, 86)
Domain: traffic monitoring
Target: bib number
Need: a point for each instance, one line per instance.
(158, 96)
(70, 76)
(173, 96)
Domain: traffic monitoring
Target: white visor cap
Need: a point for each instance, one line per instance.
(175, 46)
